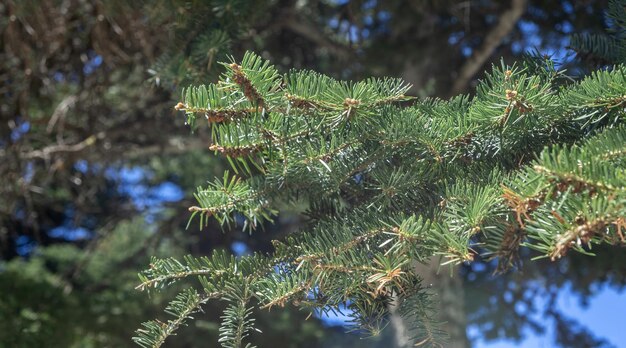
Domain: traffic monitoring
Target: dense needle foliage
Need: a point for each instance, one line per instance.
(533, 159)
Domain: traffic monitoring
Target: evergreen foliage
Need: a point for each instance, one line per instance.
(76, 107)
(605, 48)
(388, 185)
(57, 297)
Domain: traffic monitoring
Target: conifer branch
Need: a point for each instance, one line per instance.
(155, 332)
(582, 234)
(248, 89)
(237, 321)
(388, 186)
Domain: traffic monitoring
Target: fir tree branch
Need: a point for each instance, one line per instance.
(392, 185)
(155, 332)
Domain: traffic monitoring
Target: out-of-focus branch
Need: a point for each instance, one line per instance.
(173, 146)
(52, 149)
(311, 32)
(507, 22)
(400, 330)
(61, 111)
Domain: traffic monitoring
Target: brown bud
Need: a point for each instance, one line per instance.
(510, 95)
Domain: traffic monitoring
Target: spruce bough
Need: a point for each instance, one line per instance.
(533, 159)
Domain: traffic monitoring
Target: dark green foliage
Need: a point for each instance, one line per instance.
(390, 186)
(63, 297)
(182, 308)
(78, 111)
(603, 48)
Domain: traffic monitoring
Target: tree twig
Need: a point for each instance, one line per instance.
(47, 151)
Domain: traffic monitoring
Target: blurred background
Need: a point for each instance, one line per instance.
(97, 169)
